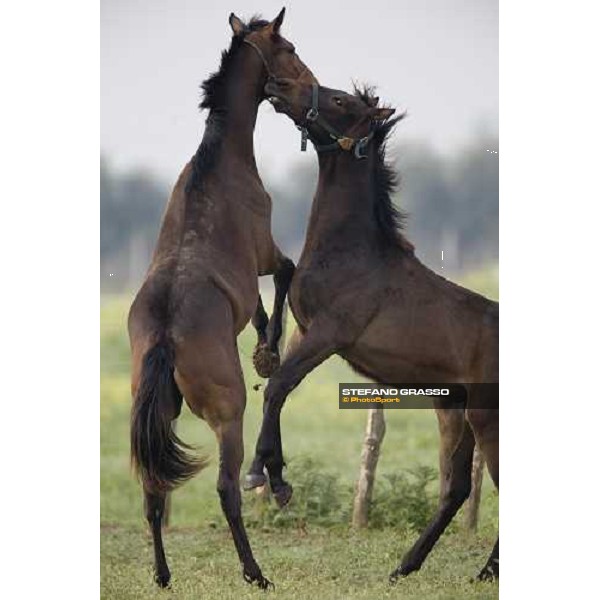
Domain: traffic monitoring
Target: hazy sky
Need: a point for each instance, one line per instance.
(438, 59)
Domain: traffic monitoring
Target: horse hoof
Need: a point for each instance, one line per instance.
(265, 361)
(162, 580)
(264, 584)
(488, 573)
(261, 581)
(254, 480)
(395, 575)
(283, 495)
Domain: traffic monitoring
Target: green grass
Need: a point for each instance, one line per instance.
(321, 557)
(317, 564)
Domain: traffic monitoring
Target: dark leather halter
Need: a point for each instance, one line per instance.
(270, 73)
(262, 57)
(341, 142)
(358, 147)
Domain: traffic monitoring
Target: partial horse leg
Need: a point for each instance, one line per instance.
(484, 423)
(256, 476)
(209, 375)
(282, 278)
(456, 457)
(266, 354)
(231, 449)
(314, 348)
(155, 506)
(260, 320)
(154, 503)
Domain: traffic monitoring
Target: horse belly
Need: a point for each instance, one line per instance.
(411, 346)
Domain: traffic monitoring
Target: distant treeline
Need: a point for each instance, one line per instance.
(452, 206)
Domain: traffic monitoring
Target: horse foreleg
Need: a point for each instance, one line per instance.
(312, 349)
(266, 354)
(282, 278)
(456, 458)
(260, 320)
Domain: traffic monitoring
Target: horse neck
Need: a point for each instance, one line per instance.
(244, 94)
(343, 194)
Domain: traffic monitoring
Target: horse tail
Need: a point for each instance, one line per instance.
(158, 456)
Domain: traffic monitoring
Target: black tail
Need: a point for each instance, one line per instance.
(157, 454)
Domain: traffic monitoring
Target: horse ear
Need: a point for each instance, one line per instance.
(381, 114)
(276, 23)
(373, 102)
(237, 25)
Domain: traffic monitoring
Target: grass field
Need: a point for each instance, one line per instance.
(308, 551)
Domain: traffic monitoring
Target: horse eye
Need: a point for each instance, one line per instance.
(337, 101)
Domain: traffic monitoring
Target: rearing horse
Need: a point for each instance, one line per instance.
(202, 289)
(359, 291)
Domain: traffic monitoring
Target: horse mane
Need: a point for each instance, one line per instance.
(214, 87)
(384, 178)
(214, 96)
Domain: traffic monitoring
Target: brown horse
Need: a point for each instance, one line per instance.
(359, 291)
(202, 288)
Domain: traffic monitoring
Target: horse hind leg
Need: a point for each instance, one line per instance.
(154, 501)
(155, 508)
(231, 450)
(214, 389)
(484, 423)
(456, 457)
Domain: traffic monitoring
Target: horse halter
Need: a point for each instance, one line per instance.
(341, 142)
(270, 73)
(261, 56)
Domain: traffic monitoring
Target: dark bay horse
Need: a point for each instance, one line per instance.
(201, 289)
(360, 292)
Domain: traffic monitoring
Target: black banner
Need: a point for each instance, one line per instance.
(422, 395)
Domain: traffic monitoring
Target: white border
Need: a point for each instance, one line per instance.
(549, 289)
(49, 445)
(549, 280)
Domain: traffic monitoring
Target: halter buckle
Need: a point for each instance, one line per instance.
(312, 114)
(360, 148)
(345, 143)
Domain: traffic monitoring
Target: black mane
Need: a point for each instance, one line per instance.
(214, 90)
(384, 179)
(384, 182)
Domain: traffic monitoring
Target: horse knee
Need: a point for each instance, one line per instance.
(278, 388)
(453, 498)
(461, 491)
(285, 272)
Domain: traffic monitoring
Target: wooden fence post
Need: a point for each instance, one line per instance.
(472, 507)
(374, 434)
